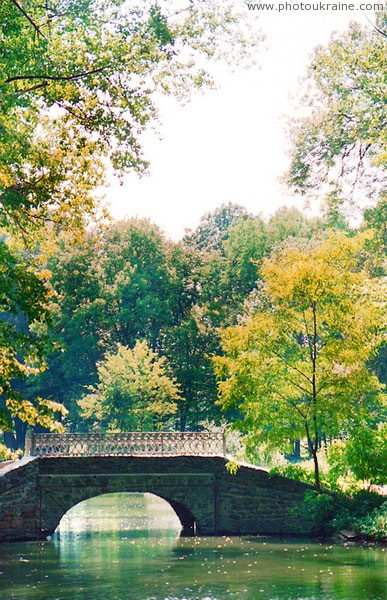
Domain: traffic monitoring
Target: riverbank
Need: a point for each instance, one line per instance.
(361, 516)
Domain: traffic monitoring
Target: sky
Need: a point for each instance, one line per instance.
(229, 144)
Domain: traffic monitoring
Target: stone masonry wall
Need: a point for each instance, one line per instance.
(19, 501)
(34, 497)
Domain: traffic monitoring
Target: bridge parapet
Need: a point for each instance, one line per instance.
(166, 443)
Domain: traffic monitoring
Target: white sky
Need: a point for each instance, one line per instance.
(229, 144)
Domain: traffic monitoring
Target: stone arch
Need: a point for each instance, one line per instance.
(182, 514)
(56, 503)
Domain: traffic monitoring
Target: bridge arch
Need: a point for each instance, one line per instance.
(53, 513)
(60, 491)
(119, 506)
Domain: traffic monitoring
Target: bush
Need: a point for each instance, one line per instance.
(319, 512)
(294, 472)
(326, 514)
(374, 525)
(361, 511)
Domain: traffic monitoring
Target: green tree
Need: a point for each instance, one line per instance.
(214, 226)
(80, 322)
(243, 252)
(375, 220)
(232, 247)
(25, 298)
(135, 392)
(363, 454)
(188, 348)
(344, 138)
(289, 222)
(124, 282)
(230, 241)
(297, 366)
(140, 281)
(229, 274)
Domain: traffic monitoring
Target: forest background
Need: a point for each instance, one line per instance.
(274, 328)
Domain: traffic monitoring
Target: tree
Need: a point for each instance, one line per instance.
(243, 251)
(375, 220)
(344, 138)
(80, 322)
(364, 453)
(214, 226)
(289, 222)
(78, 84)
(188, 348)
(228, 241)
(232, 245)
(140, 281)
(25, 297)
(231, 273)
(123, 283)
(135, 391)
(297, 366)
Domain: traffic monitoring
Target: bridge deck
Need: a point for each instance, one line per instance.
(166, 443)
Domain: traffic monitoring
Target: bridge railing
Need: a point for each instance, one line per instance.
(166, 443)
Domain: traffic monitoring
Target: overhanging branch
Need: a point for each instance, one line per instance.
(27, 16)
(56, 77)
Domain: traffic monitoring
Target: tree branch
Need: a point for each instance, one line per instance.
(34, 87)
(307, 334)
(27, 16)
(292, 404)
(79, 117)
(57, 77)
(382, 33)
(294, 369)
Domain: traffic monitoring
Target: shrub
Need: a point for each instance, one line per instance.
(374, 525)
(294, 472)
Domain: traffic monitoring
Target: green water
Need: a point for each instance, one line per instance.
(127, 546)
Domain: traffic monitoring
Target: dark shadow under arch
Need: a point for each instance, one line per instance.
(187, 520)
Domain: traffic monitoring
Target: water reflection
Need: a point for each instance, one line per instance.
(140, 562)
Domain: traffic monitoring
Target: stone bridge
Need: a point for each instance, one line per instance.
(37, 491)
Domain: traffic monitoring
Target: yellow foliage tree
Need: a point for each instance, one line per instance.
(135, 392)
(297, 365)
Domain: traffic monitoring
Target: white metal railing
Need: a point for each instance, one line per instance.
(165, 443)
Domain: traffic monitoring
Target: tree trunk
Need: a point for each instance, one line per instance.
(313, 447)
(316, 471)
(297, 449)
(316, 443)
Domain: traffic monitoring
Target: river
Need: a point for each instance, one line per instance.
(128, 547)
